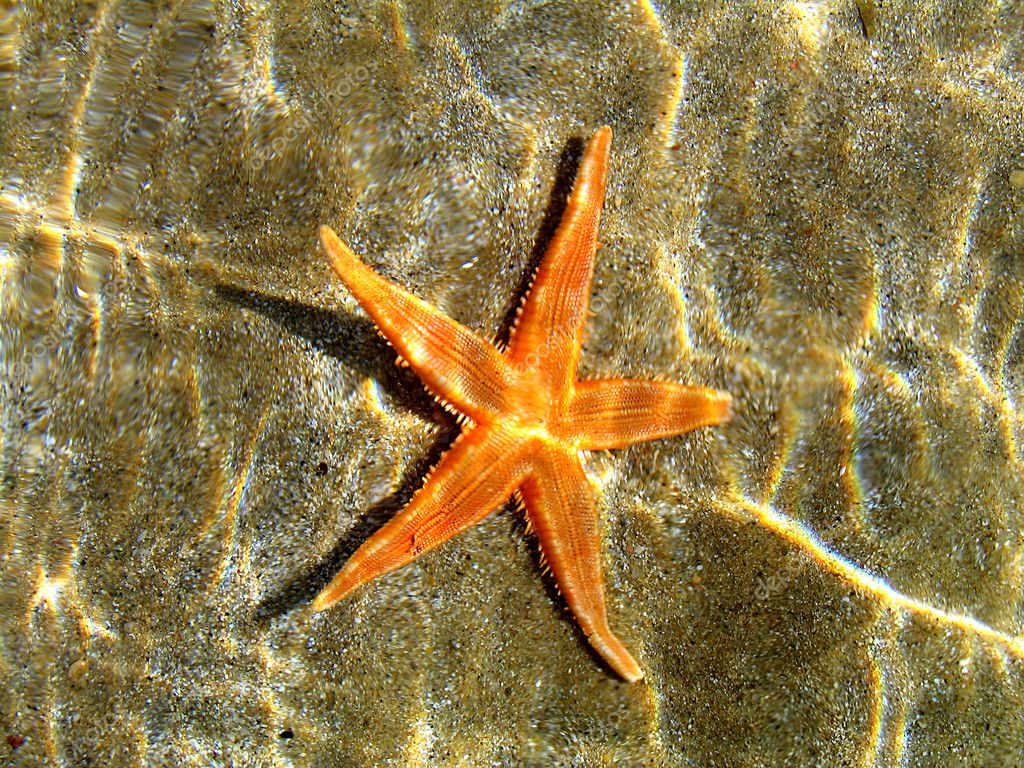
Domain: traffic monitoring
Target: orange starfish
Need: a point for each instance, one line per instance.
(527, 418)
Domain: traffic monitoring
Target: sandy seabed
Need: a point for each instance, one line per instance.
(816, 206)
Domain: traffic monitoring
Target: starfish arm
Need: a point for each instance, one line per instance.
(614, 413)
(455, 364)
(483, 467)
(549, 330)
(561, 505)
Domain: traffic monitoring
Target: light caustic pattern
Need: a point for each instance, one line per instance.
(818, 223)
(737, 503)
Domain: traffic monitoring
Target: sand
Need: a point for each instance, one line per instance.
(815, 206)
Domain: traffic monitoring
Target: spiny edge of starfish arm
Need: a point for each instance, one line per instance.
(595, 156)
(561, 505)
(464, 372)
(474, 477)
(550, 319)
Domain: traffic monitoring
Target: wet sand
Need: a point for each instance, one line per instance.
(815, 207)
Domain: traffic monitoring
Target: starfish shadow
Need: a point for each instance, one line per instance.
(521, 527)
(355, 342)
(300, 590)
(347, 338)
(565, 175)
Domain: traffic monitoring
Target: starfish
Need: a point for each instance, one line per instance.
(526, 418)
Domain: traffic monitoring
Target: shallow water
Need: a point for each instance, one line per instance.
(813, 206)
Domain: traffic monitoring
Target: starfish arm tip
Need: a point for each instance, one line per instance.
(724, 407)
(323, 601)
(319, 604)
(616, 655)
(333, 593)
(629, 670)
(328, 238)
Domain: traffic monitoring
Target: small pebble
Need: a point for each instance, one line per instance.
(77, 671)
(1017, 178)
